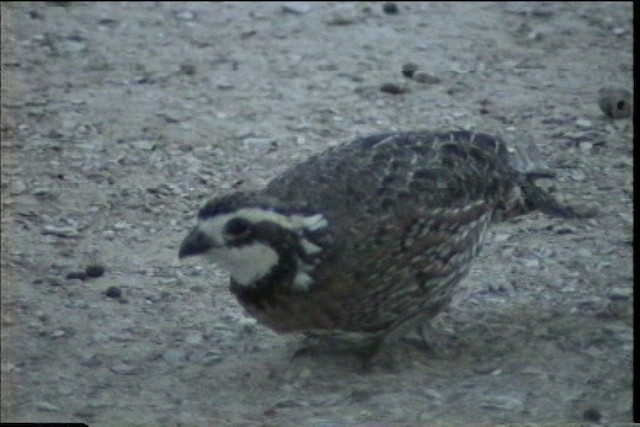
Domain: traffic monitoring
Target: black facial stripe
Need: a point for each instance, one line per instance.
(237, 226)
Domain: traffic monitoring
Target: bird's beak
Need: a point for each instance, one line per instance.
(196, 243)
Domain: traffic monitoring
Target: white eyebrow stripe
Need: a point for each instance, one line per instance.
(291, 222)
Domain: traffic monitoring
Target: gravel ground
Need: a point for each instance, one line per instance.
(120, 119)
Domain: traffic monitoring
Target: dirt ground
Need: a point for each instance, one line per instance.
(120, 119)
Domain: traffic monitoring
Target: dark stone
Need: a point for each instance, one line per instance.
(592, 414)
(94, 270)
(76, 275)
(392, 88)
(390, 8)
(113, 292)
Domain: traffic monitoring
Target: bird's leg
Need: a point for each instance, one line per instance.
(421, 338)
(363, 346)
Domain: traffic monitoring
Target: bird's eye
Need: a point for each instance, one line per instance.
(237, 226)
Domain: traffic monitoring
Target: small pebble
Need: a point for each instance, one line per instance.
(122, 369)
(342, 18)
(185, 16)
(188, 69)
(113, 292)
(620, 293)
(504, 403)
(76, 275)
(92, 361)
(121, 225)
(108, 22)
(85, 414)
(424, 77)
(41, 191)
(619, 31)
(46, 406)
(530, 262)
(194, 338)
(60, 231)
(51, 281)
(94, 270)
(296, 8)
(58, 333)
(390, 8)
(578, 175)
(592, 414)
(409, 69)
(392, 88)
(584, 123)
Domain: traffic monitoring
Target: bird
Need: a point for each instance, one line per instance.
(367, 236)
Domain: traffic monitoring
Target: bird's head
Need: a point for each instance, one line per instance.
(254, 241)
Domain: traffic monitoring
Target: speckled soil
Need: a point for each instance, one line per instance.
(120, 119)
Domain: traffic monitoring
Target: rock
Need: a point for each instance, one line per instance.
(486, 367)
(94, 270)
(58, 333)
(502, 237)
(108, 23)
(143, 145)
(62, 231)
(615, 102)
(346, 15)
(46, 406)
(92, 361)
(409, 69)
(296, 8)
(76, 275)
(113, 292)
(390, 8)
(193, 338)
(507, 403)
(41, 192)
(619, 293)
(121, 225)
(584, 123)
(585, 146)
(584, 211)
(619, 31)
(392, 88)
(564, 229)
(424, 77)
(261, 144)
(51, 281)
(578, 175)
(592, 415)
(530, 262)
(188, 69)
(122, 368)
(185, 15)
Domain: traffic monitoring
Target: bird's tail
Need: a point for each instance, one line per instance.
(536, 198)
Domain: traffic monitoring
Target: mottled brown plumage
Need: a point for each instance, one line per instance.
(367, 235)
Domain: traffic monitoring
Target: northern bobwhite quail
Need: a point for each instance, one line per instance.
(367, 235)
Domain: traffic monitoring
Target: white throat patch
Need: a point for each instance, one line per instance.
(247, 264)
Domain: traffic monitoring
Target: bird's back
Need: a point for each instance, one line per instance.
(396, 175)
